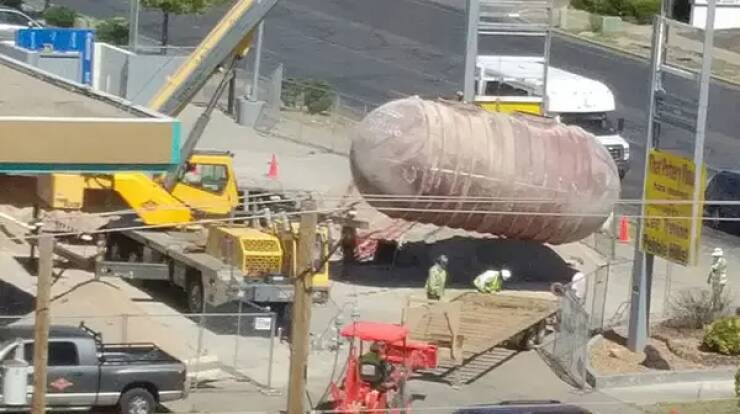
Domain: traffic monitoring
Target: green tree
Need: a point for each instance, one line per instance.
(177, 7)
(15, 4)
(113, 31)
(60, 16)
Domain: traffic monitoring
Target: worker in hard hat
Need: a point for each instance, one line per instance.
(578, 286)
(437, 279)
(491, 281)
(717, 276)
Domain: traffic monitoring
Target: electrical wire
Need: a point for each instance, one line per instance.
(548, 214)
(182, 206)
(174, 224)
(482, 199)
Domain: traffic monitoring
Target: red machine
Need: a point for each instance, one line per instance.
(403, 357)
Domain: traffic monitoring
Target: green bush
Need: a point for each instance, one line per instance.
(60, 16)
(643, 10)
(290, 91)
(640, 11)
(113, 31)
(737, 383)
(723, 336)
(317, 95)
(13, 4)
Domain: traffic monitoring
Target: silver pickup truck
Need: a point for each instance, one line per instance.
(84, 373)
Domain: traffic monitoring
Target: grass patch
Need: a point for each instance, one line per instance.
(698, 407)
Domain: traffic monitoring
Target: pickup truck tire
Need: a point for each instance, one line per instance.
(137, 401)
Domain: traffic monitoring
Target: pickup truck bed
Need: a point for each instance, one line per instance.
(134, 353)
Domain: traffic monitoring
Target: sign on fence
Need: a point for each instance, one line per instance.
(668, 227)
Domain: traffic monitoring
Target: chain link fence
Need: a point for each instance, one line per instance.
(567, 352)
(214, 347)
(306, 111)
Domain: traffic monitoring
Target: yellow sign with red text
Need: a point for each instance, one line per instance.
(672, 230)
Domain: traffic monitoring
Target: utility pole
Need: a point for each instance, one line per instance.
(471, 49)
(684, 113)
(41, 331)
(300, 324)
(254, 92)
(133, 25)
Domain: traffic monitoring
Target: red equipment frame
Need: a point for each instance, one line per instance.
(354, 394)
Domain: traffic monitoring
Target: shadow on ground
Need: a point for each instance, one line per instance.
(14, 301)
(533, 265)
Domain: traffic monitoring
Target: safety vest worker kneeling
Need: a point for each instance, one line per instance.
(491, 281)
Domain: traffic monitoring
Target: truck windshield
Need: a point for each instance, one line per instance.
(595, 123)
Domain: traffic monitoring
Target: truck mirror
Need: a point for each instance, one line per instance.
(620, 125)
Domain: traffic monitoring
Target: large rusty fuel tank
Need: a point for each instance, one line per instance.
(451, 164)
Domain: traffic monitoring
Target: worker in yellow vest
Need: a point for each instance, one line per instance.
(491, 281)
(437, 279)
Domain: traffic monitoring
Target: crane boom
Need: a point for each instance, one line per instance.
(231, 36)
(160, 202)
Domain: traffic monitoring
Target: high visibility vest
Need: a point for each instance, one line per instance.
(489, 281)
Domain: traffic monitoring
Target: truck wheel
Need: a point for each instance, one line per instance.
(195, 295)
(137, 401)
(528, 340)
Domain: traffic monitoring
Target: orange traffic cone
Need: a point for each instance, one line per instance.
(273, 171)
(624, 230)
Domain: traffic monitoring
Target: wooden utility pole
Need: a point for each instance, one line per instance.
(301, 321)
(41, 334)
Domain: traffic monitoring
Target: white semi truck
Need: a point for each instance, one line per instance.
(515, 83)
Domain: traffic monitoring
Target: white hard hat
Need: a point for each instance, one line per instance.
(505, 274)
(718, 252)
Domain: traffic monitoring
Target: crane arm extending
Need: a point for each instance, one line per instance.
(230, 37)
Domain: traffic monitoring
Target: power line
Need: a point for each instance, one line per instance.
(540, 213)
(162, 207)
(509, 199)
(166, 225)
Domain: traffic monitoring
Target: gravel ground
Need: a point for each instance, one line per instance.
(668, 349)
(611, 356)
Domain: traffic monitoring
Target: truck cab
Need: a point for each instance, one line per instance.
(515, 84)
(207, 184)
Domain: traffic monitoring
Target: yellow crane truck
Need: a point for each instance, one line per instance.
(215, 264)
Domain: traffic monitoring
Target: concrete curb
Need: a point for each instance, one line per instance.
(651, 378)
(306, 143)
(636, 56)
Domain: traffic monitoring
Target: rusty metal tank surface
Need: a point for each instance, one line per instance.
(516, 176)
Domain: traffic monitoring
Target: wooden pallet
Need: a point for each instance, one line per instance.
(473, 326)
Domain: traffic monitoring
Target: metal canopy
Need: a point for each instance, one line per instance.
(49, 124)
